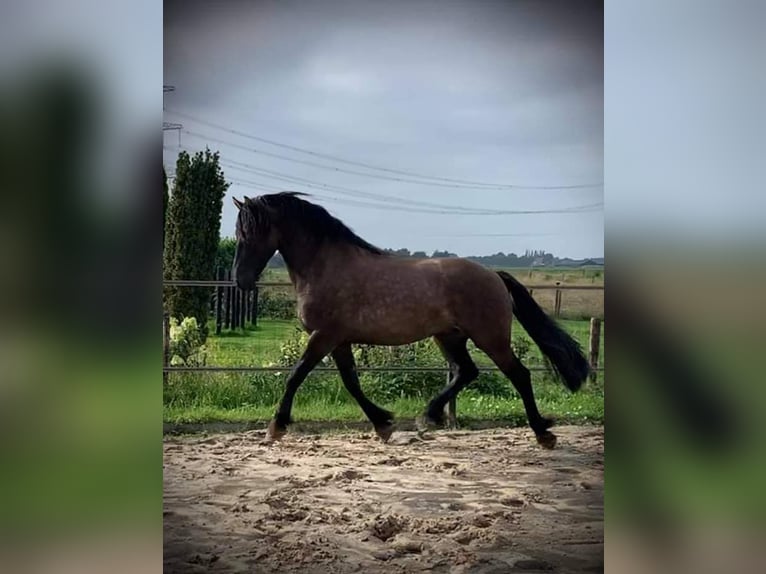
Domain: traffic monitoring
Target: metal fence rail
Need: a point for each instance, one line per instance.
(331, 369)
(450, 408)
(200, 283)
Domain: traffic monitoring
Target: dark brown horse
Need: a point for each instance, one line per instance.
(350, 292)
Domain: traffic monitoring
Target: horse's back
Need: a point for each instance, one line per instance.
(390, 301)
(478, 298)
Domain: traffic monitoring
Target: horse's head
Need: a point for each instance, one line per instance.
(256, 241)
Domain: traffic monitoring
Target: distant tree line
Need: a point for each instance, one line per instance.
(530, 258)
(499, 259)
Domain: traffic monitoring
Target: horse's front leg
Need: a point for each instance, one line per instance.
(318, 347)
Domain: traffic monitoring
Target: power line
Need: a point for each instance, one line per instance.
(355, 193)
(371, 166)
(346, 191)
(387, 207)
(441, 208)
(452, 183)
(495, 235)
(378, 197)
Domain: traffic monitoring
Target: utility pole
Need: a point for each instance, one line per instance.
(170, 125)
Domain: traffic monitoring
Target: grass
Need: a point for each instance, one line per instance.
(586, 406)
(250, 346)
(260, 345)
(246, 397)
(252, 397)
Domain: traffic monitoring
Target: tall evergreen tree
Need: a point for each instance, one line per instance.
(164, 206)
(193, 232)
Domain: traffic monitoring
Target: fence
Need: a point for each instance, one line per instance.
(233, 308)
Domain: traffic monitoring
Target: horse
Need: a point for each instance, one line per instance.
(352, 292)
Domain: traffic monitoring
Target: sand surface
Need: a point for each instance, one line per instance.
(487, 502)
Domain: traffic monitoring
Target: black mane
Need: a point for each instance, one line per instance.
(312, 218)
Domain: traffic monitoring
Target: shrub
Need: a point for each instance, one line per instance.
(292, 348)
(521, 347)
(186, 342)
(277, 305)
(493, 385)
(393, 384)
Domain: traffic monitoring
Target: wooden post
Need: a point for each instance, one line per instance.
(218, 302)
(239, 307)
(557, 304)
(235, 308)
(595, 340)
(254, 308)
(242, 308)
(227, 301)
(165, 345)
(450, 409)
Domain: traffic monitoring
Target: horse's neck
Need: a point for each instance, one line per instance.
(302, 258)
(309, 263)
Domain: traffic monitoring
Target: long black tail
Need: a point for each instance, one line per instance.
(555, 343)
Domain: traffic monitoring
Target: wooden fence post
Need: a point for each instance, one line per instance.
(242, 308)
(557, 304)
(595, 341)
(218, 302)
(165, 345)
(235, 308)
(254, 308)
(227, 303)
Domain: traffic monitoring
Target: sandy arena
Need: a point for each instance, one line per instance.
(486, 502)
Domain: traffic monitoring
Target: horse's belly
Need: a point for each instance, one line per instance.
(387, 327)
(384, 322)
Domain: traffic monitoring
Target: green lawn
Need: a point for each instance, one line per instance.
(252, 346)
(256, 346)
(208, 397)
(581, 408)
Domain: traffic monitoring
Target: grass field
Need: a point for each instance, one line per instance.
(256, 346)
(208, 397)
(240, 397)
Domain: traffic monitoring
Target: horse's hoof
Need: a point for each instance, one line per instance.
(425, 423)
(385, 431)
(546, 439)
(548, 422)
(274, 432)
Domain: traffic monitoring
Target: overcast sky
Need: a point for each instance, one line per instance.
(500, 92)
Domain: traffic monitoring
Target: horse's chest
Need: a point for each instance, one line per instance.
(313, 314)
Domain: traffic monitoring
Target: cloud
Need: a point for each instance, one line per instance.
(486, 91)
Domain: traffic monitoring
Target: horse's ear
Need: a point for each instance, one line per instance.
(238, 203)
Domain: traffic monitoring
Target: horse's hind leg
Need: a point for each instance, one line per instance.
(519, 375)
(382, 420)
(453, 347)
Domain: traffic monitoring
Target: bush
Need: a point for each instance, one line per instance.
(291, 350)
(277, 305)
(521, 347)
(186, 343)
(390, 385)
(493, 385)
